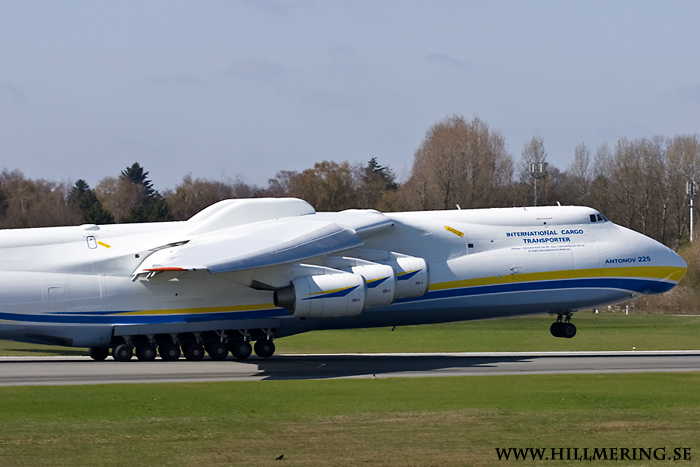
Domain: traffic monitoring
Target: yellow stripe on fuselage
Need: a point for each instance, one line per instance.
(661, 273)
(187, 311)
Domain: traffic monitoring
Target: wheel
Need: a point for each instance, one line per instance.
(217, 350)
(264, 348)
(241, 350)
(194, 352)
(169, 351)
(568, 330)
(556, 329)
(122, 353)
(146, 352)
(99, 353)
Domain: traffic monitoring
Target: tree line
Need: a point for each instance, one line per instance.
(638, 183)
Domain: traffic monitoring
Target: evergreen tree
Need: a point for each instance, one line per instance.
(156, 209)
(136, 175)
(378, 186)
(375, 172)
(84, 198)
(152, 207)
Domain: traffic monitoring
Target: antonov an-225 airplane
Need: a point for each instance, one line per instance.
(252, 270)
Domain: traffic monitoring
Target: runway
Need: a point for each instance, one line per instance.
(32, 371)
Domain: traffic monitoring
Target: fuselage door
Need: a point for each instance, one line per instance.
(56, 295)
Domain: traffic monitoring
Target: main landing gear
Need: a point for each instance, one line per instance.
(171, 347)
(563, 327)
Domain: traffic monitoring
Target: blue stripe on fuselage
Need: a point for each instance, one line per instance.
(643, 286)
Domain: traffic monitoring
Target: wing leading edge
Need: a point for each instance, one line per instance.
(254, 246)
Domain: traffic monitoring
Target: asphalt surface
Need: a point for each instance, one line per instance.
(25, 371)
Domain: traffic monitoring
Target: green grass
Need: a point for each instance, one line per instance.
(397, 421)
(603, 331)
(20, 349)
(413, 422)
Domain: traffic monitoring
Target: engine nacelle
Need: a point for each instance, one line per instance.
(381, 283)
(324, 296)
(412, 277)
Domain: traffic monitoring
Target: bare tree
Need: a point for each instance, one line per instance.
(534, 153)
(579, 175)
(600, 185)
(280, 185)
(329, 186)
(459, 163)
(682, 165)
(642, 184)
(119, 196)
(193, 195)
(34, 203)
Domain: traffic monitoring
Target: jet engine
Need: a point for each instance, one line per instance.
(381, 283)
(324, 296)
(412, 276)
(352, 285)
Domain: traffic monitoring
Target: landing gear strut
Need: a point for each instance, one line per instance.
(563, 327)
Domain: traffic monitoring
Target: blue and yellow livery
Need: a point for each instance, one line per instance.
(249, 271)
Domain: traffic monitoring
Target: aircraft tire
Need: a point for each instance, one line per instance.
(556, 329)
(146, 352)
(568, 330)
(264, 348)
(99, 353)
(217, 350)
(193, 352)
(169, 352)
(241, 350)
(122, 353)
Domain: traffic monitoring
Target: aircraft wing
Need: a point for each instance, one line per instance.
(253, 246)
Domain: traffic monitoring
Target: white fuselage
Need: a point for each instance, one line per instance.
(83, 286)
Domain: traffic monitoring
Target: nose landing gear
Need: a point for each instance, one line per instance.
(563, 327)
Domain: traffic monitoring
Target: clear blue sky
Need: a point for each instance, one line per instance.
(218, 89)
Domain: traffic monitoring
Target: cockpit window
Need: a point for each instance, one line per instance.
(592, 218)
(598, 218)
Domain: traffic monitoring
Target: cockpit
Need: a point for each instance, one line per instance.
(598, 217)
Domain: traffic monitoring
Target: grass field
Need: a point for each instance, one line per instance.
(407, 422)
(602, 331)
(397, 421)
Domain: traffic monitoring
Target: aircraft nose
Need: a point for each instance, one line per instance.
(666, 256)
(652, 266)
(665, 266)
